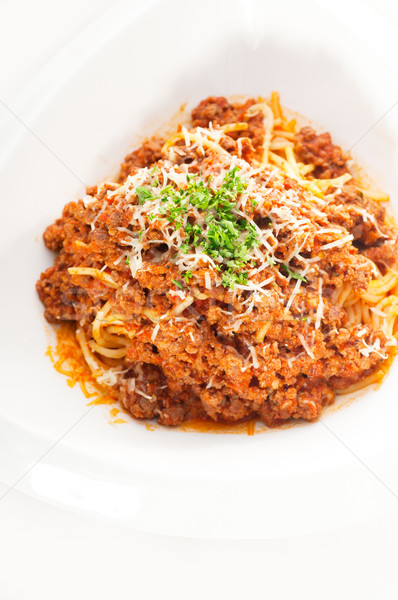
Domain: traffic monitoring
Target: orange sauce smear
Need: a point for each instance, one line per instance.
(249, 427)
(67, 359)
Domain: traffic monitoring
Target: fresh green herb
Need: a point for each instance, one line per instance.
(293, 274)
(127, 260)
(230, 278)
(178, 284)
(143, 194)
(187, 275)
(155, 182)
(226, 236)
(140, 234)
(154, 170)
(271, 261)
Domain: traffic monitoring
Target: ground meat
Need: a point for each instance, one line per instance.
(222, 406)
(384, 256)
(345, 266)
(143, 395)
(64, 300)
(138, 393)
(148, 153)
(54, 235)
(217, 110)
(306, 402)
(74, 225)
(362, 217)
(318, 149)
(129, 302)
(193, 350)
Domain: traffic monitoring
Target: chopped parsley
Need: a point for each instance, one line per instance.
(224, 235)
(293, 274)
(127, 260)
(143, 194)
(231, 277)
(187, 275)
(178, 284)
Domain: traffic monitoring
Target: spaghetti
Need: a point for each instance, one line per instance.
(236, 270)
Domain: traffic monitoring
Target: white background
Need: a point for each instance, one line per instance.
(48, 553)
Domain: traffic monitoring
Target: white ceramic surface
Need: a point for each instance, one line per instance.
(124, 80)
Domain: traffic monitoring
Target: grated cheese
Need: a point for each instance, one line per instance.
(178, 293)
(372, 348)
(319, 312)
(133, 388)
(337, 243)
(92, 224)
(292, 215)
(306, 346)
(155, 332)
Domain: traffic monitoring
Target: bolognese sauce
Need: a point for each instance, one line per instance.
(237, 270)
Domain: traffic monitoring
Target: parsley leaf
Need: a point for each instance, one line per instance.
(293, 274)
(187, 275)
(143, 194)
(178, 284)
(231, 277)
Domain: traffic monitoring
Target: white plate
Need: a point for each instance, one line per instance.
(123, 80)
